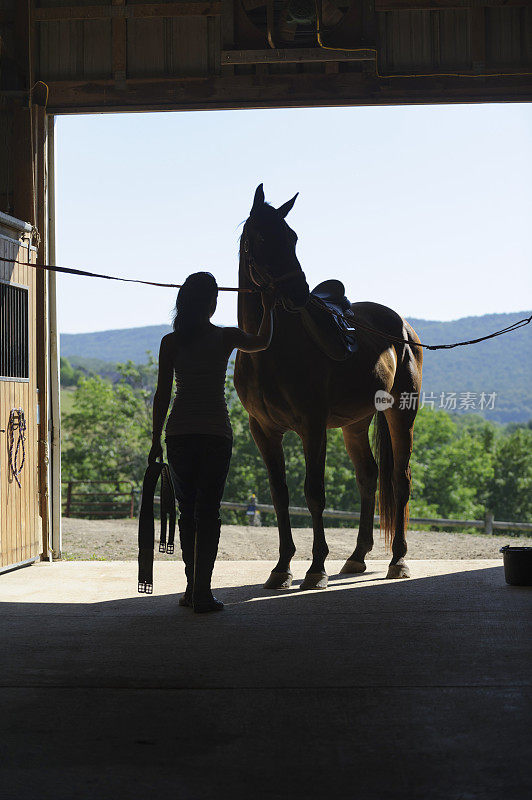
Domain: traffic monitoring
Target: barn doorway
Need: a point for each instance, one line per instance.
(376, 154)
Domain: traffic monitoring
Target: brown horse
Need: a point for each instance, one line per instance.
(293, 386)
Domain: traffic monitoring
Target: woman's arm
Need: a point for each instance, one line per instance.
(161, 400)
(249, 342)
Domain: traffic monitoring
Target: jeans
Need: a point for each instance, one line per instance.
(199, 464)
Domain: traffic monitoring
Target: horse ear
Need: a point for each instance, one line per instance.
(288, 206)
(258, 200)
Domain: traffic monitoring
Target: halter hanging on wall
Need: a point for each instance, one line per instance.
(16, 438)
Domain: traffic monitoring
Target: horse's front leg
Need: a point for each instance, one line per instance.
(315, 447)
(270, 444)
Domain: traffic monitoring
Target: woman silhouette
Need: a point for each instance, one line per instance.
(198, 431)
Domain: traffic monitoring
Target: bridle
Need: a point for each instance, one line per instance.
(266, 280)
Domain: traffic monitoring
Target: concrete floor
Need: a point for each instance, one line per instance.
(372, 689)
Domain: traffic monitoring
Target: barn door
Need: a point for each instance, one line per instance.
(20, 528)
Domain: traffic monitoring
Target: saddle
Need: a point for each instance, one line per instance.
(329, 320)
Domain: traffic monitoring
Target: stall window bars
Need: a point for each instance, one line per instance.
(14, 351)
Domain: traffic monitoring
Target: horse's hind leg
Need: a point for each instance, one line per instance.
(270, 444)
(315, 447)
(359, 451)
(401, 427)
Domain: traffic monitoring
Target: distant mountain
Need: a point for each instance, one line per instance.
(126, 344)
(502, 365)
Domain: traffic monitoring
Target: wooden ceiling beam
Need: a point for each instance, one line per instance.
(238, 92)
(140, 11)
(294, 55)
(445, 5)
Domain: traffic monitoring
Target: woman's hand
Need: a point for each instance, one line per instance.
(155, 452)
(249, 342)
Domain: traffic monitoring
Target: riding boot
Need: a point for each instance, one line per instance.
(207, 538)
(187, 535)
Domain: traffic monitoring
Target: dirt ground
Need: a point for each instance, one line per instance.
(116, 540)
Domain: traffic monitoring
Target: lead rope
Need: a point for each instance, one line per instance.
(16, 430)
(71, 271)
(353, 324)
(86, 274)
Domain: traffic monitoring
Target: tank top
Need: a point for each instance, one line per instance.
(199, 405)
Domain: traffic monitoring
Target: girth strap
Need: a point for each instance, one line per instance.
(147, 525)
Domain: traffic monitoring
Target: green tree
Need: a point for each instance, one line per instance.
(510, 495)
(452, 466)
(460, 465)
(107, 435)
(68, 377)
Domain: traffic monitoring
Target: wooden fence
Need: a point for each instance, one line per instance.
(488, 524)
(80, 499)
(124, 501)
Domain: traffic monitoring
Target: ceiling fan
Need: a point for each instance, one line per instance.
(294, 23)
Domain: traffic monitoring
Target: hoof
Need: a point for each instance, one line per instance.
(399, 570)
(353, 567)
(279, 580)
(314, 580)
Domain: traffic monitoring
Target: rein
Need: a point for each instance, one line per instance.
(513, 327)
(359, 325)
(268, 281)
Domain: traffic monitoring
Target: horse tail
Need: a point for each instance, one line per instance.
(384, 456)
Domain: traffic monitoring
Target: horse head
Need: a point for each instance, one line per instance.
(269, 248)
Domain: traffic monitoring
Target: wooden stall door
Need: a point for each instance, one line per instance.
(20, 528)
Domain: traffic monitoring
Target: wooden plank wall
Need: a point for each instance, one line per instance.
(20, 528)
(148, 47)
(479, 38)
(430, 38)
(98, 55)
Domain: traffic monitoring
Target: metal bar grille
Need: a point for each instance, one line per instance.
(14, 355)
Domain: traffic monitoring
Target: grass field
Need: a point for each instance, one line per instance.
(67, 399)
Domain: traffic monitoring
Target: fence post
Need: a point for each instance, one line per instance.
(68, 499)
(488, 523)
(132, 505)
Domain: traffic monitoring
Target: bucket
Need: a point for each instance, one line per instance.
(517, 565)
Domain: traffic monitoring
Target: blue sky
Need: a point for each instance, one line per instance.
(426, 209)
